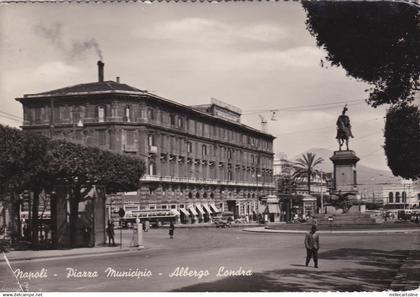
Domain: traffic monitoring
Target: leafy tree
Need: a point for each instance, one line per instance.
(402, 140)
(22, 166)
(286, 184)
(305, 168)
(83, 167)
(30, 161)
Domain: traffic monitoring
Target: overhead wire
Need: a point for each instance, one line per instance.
(303, 107)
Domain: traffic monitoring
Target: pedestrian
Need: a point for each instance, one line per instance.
(171, 230)
(312, 246)
(110, 233)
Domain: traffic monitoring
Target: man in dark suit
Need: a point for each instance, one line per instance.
(312, 246)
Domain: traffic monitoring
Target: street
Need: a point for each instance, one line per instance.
(203, 256)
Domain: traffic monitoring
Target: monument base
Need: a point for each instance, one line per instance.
(345, 219)
(345, 174)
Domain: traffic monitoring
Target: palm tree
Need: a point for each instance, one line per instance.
(305, 167)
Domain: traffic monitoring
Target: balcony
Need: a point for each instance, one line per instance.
(169, 179)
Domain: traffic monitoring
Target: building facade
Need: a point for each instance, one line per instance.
(199, 159)
(400, 196)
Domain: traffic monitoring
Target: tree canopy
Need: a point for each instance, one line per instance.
(27, 159)
(376, 42)
(305, 168)
(22, 159)
(402, 140)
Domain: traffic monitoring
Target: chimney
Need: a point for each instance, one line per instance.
(118, 79)
(100, 71)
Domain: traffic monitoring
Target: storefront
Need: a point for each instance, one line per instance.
(309, 206)
(271, 209)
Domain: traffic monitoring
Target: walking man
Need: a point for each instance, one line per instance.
(110, 233)
(312, 246)
(171, 230)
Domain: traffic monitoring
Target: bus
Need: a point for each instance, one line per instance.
(154, 217)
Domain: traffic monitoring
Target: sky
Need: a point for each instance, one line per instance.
(253, 55)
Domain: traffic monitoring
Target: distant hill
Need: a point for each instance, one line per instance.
(369, 179)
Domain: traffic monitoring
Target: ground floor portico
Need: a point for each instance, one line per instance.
(192, 203)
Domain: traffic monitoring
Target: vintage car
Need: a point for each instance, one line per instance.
(223, 220)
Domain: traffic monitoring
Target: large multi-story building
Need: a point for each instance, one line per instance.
(199, 159)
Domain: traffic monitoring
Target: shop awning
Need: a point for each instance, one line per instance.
(191, 208)
(215, 209)
(185, 212)
(207, 208)
(175, 212)
(273, 208)
(200, 209)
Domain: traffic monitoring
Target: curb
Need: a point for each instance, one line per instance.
(213, 226)
(259, 230)
(34, 257)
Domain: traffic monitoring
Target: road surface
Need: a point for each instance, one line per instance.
(199, 260)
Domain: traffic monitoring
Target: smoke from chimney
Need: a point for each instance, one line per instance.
(76, 49)
(101, 71)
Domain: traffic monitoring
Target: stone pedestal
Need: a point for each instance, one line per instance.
(345, 174)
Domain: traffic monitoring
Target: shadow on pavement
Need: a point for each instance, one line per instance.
(376, 273)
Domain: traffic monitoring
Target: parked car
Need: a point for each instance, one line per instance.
(223, 220)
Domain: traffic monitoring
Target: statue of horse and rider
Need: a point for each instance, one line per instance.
(343, 129)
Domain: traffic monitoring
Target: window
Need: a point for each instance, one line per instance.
(65, 112)
(391, 197)
(150, 114)
(151, 140)
(229, 154)
(173, 206)
(189, 147)
(199, 128)
(101, 114)
(230, 175)
(164, 206)
(404, 197)
(129, 138)
(127, 112)
(37, 115)
(152, 207)
(101, 137)
(152, 168)
(204, 150)
(180, 122)
(172, 117)
(397, 197)
(76, 115)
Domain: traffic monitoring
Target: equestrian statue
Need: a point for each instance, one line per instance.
(343, 129)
